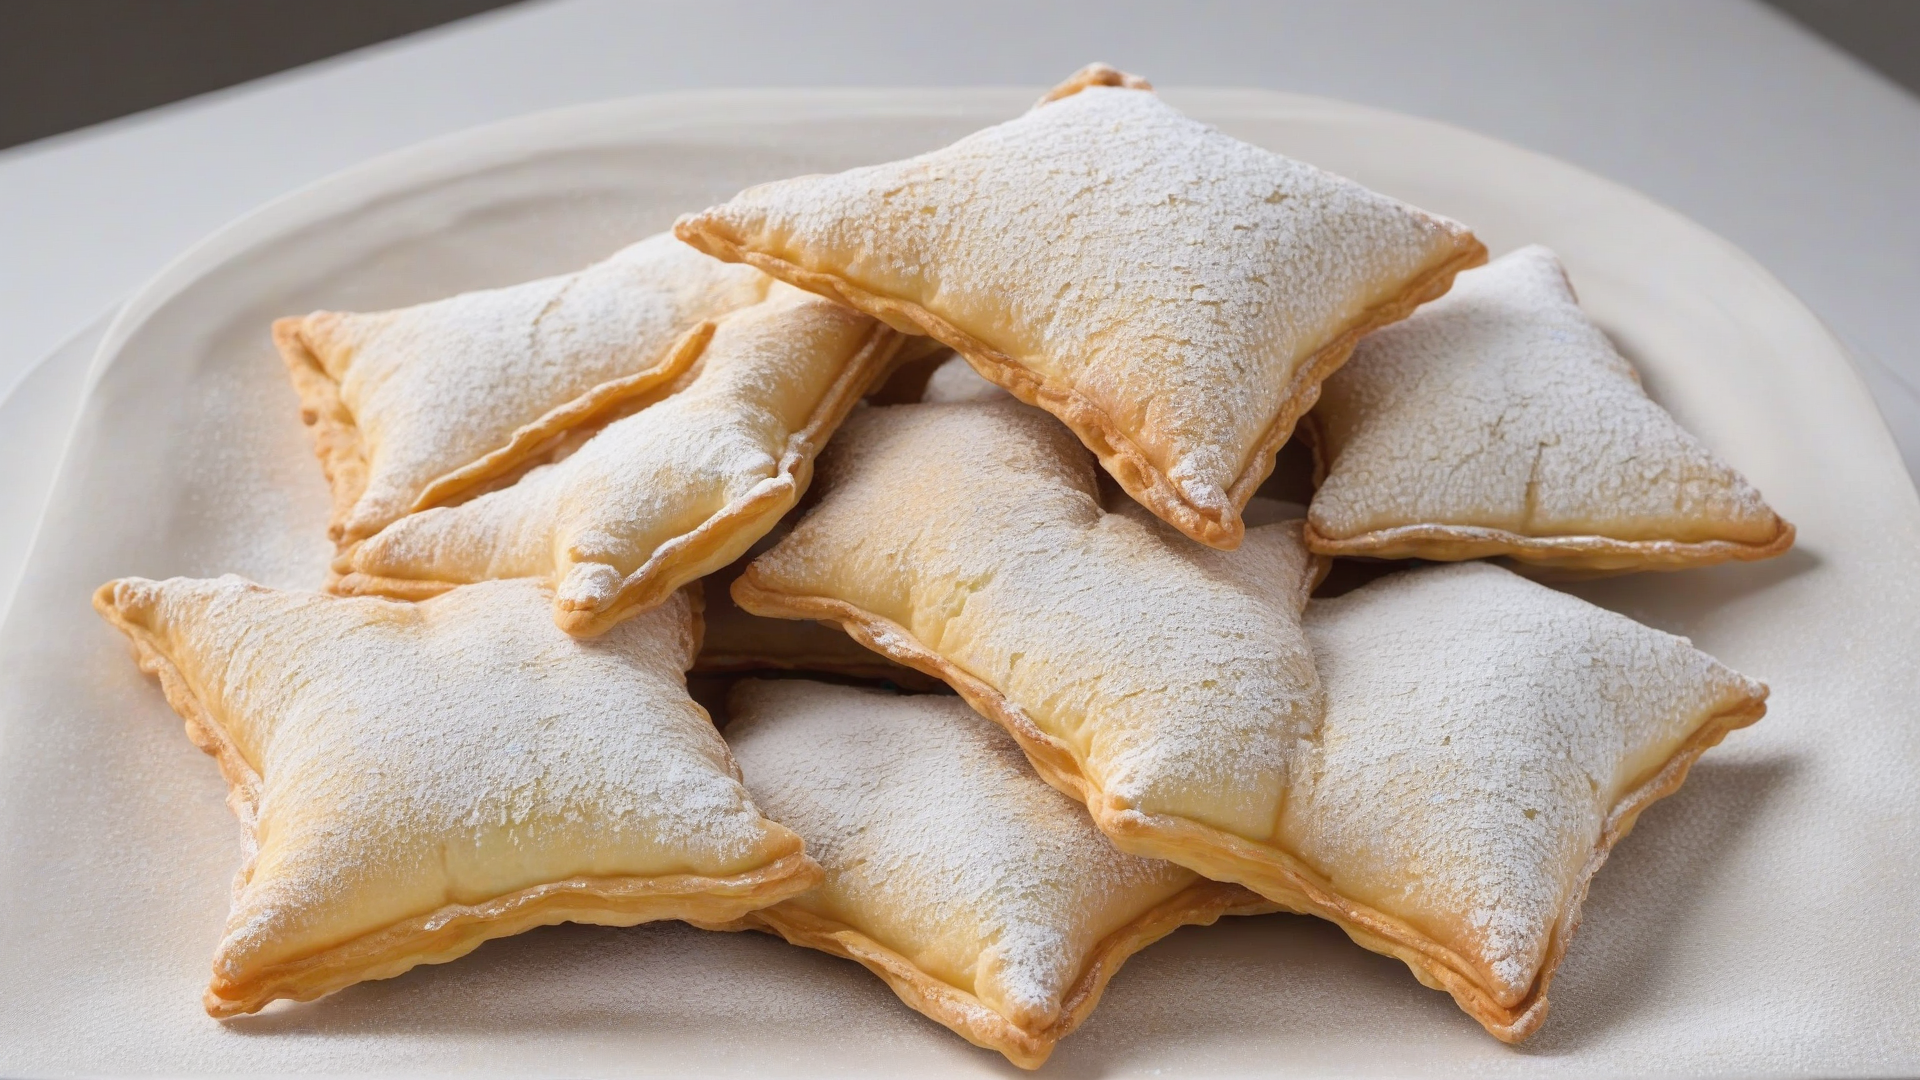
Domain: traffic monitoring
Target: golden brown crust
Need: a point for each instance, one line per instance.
(343, 455)
(1200, 904)
(453, 930)
(1095, 74)
(336, 438)
(1453, 543)
(1223, 856)
(1119, 455)
(718, 540)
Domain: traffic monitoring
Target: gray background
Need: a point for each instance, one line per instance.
(65, 64)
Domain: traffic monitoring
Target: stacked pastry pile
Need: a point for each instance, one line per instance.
(539, 489)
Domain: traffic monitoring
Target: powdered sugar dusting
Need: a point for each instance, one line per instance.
(435, 387)
(939, 841)
(1479, 729)
(1175, 276)
(1502, 406)
(416, 755)
(598, 515)
(1178, 674)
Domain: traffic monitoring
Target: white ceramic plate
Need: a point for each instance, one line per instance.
(1761, 921)
(36, 416)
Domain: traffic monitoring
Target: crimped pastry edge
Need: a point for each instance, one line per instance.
(1601, 554)
(1094, 74)
(1576, 556)
(715, 542)
(1199, 904)
(342, 453)
(452, 930)
(1119, 454)
(1273, 873)
(336, 436)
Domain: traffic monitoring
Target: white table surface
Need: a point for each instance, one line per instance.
(1721, 108)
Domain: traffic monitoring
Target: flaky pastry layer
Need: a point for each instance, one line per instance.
(1572, 556)
(1453, 543)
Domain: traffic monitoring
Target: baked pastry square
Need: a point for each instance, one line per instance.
(1440, 771)
(985, 899)
(659, 498)
(414, 407)
(419, 778)
(1487, 742)
(1499, 420)
(1167, 685)
(1172, 294)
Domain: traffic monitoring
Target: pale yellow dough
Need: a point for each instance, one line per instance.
(420, 778)
(664, 496)
(1499, 420)
(1439, 770)
(984, 898)
(415, 407)
(968, 540)
(1172, 294)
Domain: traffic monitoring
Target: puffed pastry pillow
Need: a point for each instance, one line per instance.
(1170, 688)
(1499, 420)
(1172, 294)
(664, 496)
(984, 898)
(1167, 685)
(415, 407)
(1487, 742)
(420, 778)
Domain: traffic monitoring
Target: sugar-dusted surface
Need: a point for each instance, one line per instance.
(600, 514)
(436, 386)
(1177, 277)
(1178, 674)
(411, 756)
(1761, 921)
(938, 840)
(1479, 730)
(1501, 405)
